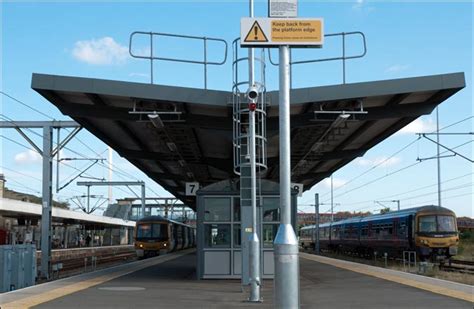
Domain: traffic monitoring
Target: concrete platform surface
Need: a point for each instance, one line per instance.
(171, 283)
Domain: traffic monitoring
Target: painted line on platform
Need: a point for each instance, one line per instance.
(38, 299)
(375, 272)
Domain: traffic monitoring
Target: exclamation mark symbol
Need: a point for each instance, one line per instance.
(255, 30)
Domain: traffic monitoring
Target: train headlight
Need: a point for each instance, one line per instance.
(164, 245)
(141, 245)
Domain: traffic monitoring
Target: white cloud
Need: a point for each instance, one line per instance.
(419, 126)
(103, 51)
(337, 182)
(396, 68)
(27, 157)
(362, 7)
(382, 161)
(358, 4)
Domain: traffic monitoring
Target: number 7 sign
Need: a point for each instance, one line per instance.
(191, 188)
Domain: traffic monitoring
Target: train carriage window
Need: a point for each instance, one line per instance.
(402, 229)
(217, 235)
(217, 209)
(390, 228)
(364, 230)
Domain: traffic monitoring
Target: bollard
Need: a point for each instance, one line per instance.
(385, 255)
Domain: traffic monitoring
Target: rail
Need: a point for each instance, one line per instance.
(342, 58)
(205, 62)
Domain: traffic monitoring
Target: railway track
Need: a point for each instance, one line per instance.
(461, 262)
(460, 266)
(68, 266)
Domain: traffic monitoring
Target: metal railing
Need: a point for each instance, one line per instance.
(342, 58)
(205, 62)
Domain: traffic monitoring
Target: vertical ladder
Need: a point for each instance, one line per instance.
(242, 166)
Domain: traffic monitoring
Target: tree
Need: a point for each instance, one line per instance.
(384, 210)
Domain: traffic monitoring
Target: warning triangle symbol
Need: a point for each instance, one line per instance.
(256, 34)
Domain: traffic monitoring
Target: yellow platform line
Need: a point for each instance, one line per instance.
(366, 270)
(35, 300)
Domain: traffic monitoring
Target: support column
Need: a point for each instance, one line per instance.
(143, 200)
(46, 202)
(316, 223)
(286, 291)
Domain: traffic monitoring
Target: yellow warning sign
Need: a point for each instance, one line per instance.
(303, 32)
(256, 34)
(308, 31)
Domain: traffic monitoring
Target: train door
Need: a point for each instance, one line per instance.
(172, 237)
(411, 231)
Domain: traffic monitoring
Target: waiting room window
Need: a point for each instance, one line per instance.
(217, 209)
(217, 235)
(271, 209)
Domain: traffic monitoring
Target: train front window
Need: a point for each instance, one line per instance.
(155, 230)
(446, 224)
(144, 231)
(436, 224)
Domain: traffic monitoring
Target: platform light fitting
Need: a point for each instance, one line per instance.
(340, 120)
(156, 121)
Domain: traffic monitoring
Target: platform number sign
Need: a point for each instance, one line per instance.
(191, 188)
(297, 187)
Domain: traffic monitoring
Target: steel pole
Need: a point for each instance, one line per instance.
(46, 201)
(88, 199)
(316, 223)
(254, 242)
(143, 199)
(110, 174)
(332, 201)
(286, 291)
(438, 159)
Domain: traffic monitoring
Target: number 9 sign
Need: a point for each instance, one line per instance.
(297, 187)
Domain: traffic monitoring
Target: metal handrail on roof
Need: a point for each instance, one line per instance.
(343, 58)
(152, 57)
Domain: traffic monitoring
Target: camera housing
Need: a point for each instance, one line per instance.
(252, 93)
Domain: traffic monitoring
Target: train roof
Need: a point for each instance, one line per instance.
(388, 215)
(160, 218)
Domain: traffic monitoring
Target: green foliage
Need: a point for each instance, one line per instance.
(384, 210)
(466, 235)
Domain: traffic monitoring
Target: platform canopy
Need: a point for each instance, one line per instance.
(19, 209)
(193, 142)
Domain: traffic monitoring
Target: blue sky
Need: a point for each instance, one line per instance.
(91, 39)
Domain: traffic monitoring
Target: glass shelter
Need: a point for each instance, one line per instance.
(224, 226)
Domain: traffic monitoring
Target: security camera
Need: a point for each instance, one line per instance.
(252, 93)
